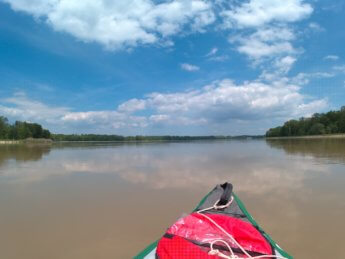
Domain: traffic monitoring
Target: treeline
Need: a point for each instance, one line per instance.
(332, 122)
(21, 130)
(96, 137)
(24, 130)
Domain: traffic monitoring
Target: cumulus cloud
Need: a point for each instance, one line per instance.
(224, 100)
(219, 103)
(132, 105)
(121, 23)
(21, 107)
(263, 32)
(189, 67)
(256, 13)
(284, 64)
(267, 42)
(260, 28)
(107, 120)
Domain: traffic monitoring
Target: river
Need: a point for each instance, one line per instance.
(98, 200)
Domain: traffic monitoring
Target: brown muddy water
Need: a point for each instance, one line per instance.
(111, 200)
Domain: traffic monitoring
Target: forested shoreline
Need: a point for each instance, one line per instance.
(22, 130)
(332, 122)
(96, 137)
(99, 137)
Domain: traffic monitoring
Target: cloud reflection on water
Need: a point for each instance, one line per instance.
(251, 166)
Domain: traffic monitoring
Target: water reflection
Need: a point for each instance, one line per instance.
(25, 152)
(329, 149)
(116, 198)
(173, 165)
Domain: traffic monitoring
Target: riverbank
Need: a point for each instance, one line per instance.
(7, 142)
(332, 136)
(25, 141)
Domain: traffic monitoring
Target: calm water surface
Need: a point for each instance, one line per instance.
(110, 201)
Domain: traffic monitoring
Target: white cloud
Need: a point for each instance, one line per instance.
(19, 106)
(212, 55)
(270, 47)
(265, 43)
(272, 34)
(121, 23)
(316, 27)
(189, 67)
(212, 52)
(220, 58)
(223, 101)
(257, 13)
(263, 32)
(339, 68)
(322, 75)
(304, 78)
(107, 119)
(284, 64)
(280, 66)
(128, 23)
(219, 103)
(331, 57)
(157, 118)
(257, 49)
(132, 106)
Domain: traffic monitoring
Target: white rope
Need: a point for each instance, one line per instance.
(232, 255)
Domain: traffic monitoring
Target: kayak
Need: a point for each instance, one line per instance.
(219, 227)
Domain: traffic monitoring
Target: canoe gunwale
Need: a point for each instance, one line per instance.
(153, 245)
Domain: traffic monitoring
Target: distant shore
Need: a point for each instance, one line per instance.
(332, 136)
(50, 141)
(130, 140)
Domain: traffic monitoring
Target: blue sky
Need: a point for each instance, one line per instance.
(184, 67)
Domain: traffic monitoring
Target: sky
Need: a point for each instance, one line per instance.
(177, 67)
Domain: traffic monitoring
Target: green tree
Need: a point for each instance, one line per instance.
(341, 124)
(22, 130)
(4, 128)
(320, 123)
(317, 129)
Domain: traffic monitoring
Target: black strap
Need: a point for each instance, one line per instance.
(225, 198)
